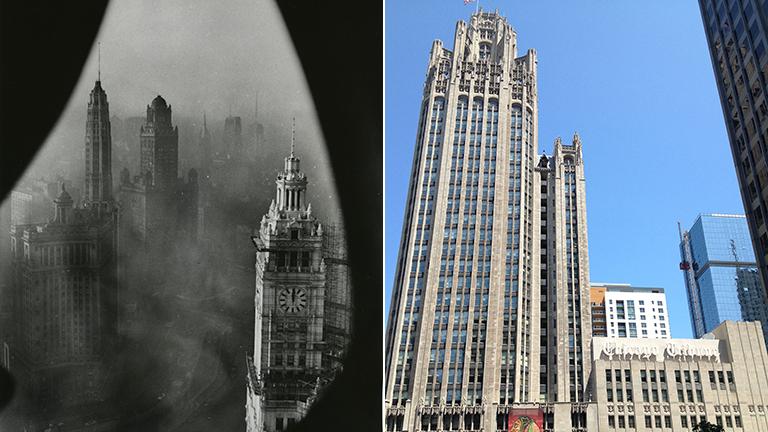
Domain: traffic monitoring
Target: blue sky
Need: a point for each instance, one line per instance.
(635, 80)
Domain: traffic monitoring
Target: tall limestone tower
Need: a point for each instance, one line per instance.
(288, 364)
(491, 287)
(98, 149)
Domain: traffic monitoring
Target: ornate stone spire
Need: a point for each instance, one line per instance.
(292, 183)
(576, 139)
(98, 148)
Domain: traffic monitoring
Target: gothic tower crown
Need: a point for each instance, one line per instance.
(292, 185)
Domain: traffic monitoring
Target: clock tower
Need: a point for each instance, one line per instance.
(289, 341)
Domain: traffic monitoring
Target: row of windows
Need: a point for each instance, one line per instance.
(454, 391)
(294, 260)
(435, 422)
(622, 329)
(283, 423)
(290, 359)
(665, 422)
(719, 377)
(421, 241)
(731, 62)
(67, 254)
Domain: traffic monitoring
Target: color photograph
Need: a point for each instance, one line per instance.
(575, 237)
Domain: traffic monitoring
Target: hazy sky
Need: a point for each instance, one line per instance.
(201, 56)
(635, 80)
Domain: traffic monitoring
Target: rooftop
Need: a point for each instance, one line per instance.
(625, 287)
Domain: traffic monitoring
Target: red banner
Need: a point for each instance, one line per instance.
(526, 420)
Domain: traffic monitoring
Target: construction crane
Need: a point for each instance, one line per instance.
(689, 267)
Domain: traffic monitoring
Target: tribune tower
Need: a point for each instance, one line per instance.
(490, 305)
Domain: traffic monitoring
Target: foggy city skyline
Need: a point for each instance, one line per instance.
(203, 58)
(167, 253)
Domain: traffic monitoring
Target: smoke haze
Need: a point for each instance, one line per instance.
(194, 321)
(208, 57)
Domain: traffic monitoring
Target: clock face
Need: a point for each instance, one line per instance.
(292, 299)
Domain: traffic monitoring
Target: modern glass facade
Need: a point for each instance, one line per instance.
(725, 277)
(737, 36)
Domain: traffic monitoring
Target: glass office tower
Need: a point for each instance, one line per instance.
(721, 274)
(737, 37)
(490, 311)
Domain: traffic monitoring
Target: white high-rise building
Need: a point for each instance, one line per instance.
(621, 310)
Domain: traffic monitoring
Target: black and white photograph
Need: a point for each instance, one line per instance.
(176, 255)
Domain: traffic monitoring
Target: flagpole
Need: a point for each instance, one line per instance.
(477, 7)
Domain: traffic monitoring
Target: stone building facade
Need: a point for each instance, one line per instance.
(159, 146)
(490, 311)
(157, 207)
(31, 199)
(156, 217)
(65, 303)
(670, 385)
(65, 290)
(302, 307)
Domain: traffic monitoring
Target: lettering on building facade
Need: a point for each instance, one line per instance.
(658, 350)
